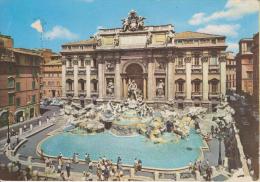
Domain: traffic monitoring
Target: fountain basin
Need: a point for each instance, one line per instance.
(168, 155)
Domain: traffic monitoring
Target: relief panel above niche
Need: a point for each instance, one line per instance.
(126, 40)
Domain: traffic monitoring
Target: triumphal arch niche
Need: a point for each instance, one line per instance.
(134, 55)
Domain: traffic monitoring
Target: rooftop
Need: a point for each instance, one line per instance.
(190, 34)
(53, 62)
(26, 51)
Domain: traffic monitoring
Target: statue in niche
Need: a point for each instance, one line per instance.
(160, 89)
(132, 89)
(110, 66)
(161, 65)
(110, 88)
(116, 40)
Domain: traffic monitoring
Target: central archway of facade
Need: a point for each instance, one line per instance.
(134, 71)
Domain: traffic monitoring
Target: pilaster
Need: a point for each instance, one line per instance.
(205, 71)
(63, 77)
(117, 80)
(222, 60)
(170, 78)
(187, 60)
(88, 70)
(76, 70)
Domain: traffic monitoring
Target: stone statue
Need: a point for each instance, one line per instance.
(110, 88)
(98, 39)
(133, 22)
(110, 66)
(132, 88)
(116, 40)
(160, 89)
(169, 37)
(149, 38)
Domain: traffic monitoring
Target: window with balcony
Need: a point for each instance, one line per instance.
(69, 63)
(214, 60)
(10, 82)
(196, 87)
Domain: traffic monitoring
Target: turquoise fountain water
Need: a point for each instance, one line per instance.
(166, 155)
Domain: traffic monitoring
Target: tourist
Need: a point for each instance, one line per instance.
(106, 173)
(60, 155)
(74, 157)
(68, 169)
(24, 128)
(118, 162)
(47, 162)
(212, 131)
(139, 165)
(249, 163)
(59, 169)
(190, 166)
(90, 166)
(208, 173)
(62, 177)
(135, 164)
(17, 139)
(77, 158)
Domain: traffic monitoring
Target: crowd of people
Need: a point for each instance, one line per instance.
(201, 168)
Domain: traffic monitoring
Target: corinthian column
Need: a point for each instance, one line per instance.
(170, 78)
(63, 77)
(118, 89)
(150, 79)
(188, 77)
(205, 72)
(222, 61)
(76, 70)
(100, 78)
(88, 87)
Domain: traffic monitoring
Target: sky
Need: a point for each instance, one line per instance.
(50, 23)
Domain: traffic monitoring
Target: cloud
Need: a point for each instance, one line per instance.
(37, 25)
(232, 47)
(234, 9)
(222, 29)
(60, 32)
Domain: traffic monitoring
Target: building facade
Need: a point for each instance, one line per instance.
(51, 75)
(255, 51)
(19, 77)
(231, 71)
(186, 68)
(244, 66)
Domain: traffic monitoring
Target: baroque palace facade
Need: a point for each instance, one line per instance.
(186, 68)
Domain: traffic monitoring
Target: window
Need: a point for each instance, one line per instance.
(18, 102)
(196, 61)
(11, 99)
(10, 83)
(10, 69)
(213, 60)
(18, 88)
(58, 83)
(81, 63)
(180, 87)
(33, 85)
(249, 74)
(196, 86)
(214, 87)
(69, 63)
(17, 72)
(33, 99)
(250, 61)
(180, 61)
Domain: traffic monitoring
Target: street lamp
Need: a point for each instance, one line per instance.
(8, 129)
(220, 136)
